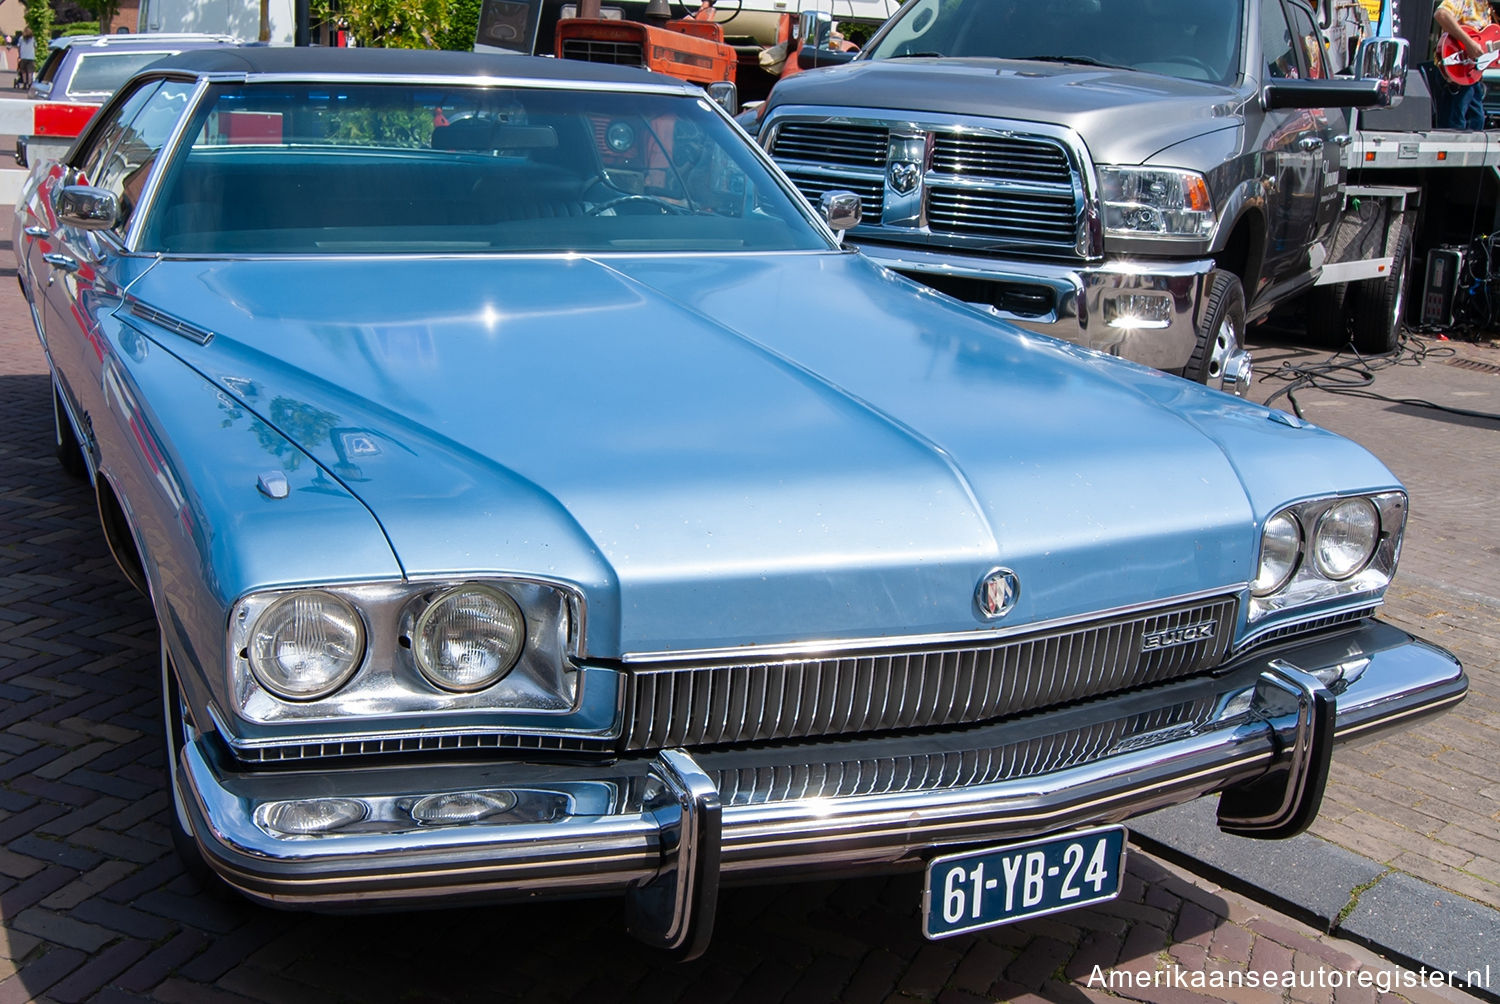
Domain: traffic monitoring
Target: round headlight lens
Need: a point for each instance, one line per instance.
(1346, 537)
(306, 645)
(469, 637)
(1280, 548)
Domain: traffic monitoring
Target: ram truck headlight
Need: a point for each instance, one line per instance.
(1156, 202)
(1327, 549)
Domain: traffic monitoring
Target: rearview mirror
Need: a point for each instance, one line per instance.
(84, 207)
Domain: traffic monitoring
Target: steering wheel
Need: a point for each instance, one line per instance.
(646, 202)
(739, 5)
(1209, 73)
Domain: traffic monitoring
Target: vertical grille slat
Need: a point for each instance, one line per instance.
(749, 701)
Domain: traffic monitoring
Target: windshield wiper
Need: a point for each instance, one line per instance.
(915, 55)
(1082, 60)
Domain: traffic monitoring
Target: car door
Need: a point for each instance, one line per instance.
(78, 275)
(1332, 126)
(1292, 143)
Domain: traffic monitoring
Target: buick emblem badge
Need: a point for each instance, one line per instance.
(904, 175)
(998, 592)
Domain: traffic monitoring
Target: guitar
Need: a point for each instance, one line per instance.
(1456, 64)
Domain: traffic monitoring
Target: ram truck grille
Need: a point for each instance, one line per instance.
(961, 187)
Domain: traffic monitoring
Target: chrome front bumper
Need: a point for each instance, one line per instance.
(666, 829)
(1096, 306)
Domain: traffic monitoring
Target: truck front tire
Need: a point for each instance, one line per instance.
(1220, 329)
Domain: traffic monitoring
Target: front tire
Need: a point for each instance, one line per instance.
(65, 443)
(1218, 353)
(1378, 305)
(176, 734)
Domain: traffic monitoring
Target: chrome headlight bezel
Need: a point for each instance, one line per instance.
(389, 684)
(1310, 584)
(1160, 203)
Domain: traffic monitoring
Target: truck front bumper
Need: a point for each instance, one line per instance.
(1145, 310)
(665, 829)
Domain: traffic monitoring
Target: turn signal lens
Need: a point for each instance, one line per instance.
(311, 816)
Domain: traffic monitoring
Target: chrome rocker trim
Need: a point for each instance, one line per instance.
(653, 828)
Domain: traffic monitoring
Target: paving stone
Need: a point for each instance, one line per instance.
(1414, 921)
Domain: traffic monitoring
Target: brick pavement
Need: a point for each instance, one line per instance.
(1427, 801)
(95, 907)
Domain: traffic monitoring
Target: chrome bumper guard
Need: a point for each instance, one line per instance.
(654, 829)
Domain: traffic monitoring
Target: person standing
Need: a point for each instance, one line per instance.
(1461, 106)
(26, 57)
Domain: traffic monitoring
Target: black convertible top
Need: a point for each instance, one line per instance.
(255, 59)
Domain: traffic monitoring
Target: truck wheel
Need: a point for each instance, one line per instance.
(1325, 315)
(65, 443)
(1219, 352)
(1377, 306)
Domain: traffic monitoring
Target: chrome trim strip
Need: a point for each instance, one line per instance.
(834, 646)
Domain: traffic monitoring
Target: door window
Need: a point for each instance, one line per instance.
(1276, 42)
(121, 155)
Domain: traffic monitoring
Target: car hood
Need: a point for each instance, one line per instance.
(741, 449)
(1123, 116)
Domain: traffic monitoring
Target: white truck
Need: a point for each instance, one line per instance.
(240, 18)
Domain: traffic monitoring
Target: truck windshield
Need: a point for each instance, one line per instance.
(1189, 39)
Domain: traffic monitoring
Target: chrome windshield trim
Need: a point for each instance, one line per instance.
(164, 157)
(455, 80)
(835, 645)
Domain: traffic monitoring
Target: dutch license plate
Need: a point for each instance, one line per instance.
(975, 889)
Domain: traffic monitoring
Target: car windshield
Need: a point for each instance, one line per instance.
(104, 72)
(1190, 39)
(291, 168)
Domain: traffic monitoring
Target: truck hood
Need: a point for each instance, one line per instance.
(1124, 116)
(741, 449)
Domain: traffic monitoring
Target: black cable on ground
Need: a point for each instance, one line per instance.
(1348, 372)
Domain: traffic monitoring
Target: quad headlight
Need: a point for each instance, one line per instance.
(306, 645)
(469, 638)
(1327, 549)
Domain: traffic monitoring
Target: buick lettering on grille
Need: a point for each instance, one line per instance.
(1179, 636)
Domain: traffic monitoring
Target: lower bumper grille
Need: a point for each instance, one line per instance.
(879, 691)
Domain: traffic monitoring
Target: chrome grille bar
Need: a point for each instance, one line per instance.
(812, 184)
(835, 777)
(1000, 158)
(819, 143)
(725, 702)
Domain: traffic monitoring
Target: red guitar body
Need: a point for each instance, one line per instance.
(1462, 70)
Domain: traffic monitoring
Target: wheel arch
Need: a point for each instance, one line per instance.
(120, 535)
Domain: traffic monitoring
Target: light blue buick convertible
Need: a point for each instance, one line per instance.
(536, 500)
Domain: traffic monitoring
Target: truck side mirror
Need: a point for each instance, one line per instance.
(1383, 59)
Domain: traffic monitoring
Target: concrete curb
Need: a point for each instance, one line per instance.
(1400, 917)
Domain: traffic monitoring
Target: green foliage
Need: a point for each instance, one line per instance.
(39, 20)
(391, 24)
(75, 28)
(103, 10)
(463, 25)
(381, 127)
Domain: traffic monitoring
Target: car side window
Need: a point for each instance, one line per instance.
(93, 158)
(1276, 41)
(139, 138)
(1312, 45)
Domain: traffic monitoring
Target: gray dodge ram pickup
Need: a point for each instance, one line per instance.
(1138, 176)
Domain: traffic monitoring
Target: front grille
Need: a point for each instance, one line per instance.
(1028, 217)
(830, 776)
(820, 143)
(1000, 158)
(871, 194)
(591, 50)
(975, 187)
(880, 691)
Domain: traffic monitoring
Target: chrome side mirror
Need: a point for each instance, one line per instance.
(724, 94)
(841, 210)
(1383, 59)
(84, 207)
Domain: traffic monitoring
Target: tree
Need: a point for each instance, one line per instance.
(39, 20)
(391, 24)
(104, 12)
